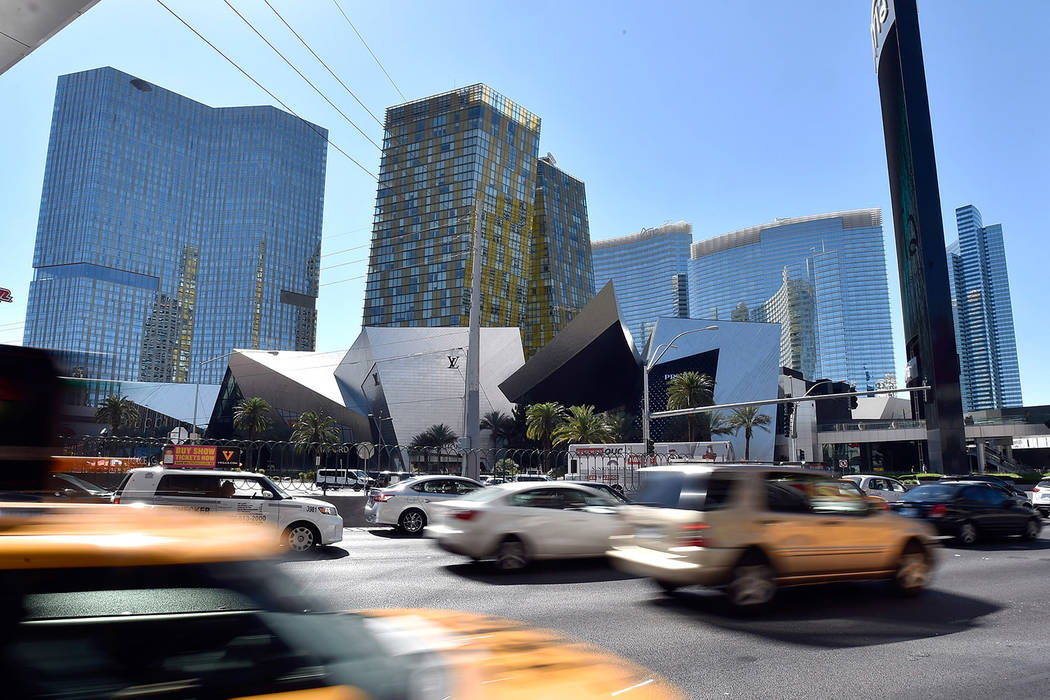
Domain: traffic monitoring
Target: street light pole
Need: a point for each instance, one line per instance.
(471, 398)
(657, 355)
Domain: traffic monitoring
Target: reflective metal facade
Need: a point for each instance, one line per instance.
(171, 232)
(445, 158)
(840, 255)
(984, 323)
(649, 270)
(561, 281)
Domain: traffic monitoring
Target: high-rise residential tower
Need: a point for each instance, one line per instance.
(171, 232)
(448, 159)
(649, 271)
(561, 281)
(842, 259)
(984, 322)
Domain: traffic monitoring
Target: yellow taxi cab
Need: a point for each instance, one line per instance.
(97, 601)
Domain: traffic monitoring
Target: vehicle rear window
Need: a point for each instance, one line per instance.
(669, 489)
(188, 485)
(931, 492)
(1044, 484)
(123, 483)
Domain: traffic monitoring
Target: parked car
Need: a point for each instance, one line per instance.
(409, 504)
(1004, 482)
(854, 488)
(334, 479)
(968, 510)
(753, 529)
(884, 487)
(531, 477)
(1041, 497)
(182, 609)
(524, 521)
(62, 487)
(610, 491)
(390, 478)
(302, 522)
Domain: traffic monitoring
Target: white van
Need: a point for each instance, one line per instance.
(301, 522)
(338, 478)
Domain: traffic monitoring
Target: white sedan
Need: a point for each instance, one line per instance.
(882, 486)
(523, 521)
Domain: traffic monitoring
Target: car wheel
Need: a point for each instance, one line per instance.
(1031, 529)
(412, 521)
(752, 583)
(913, 570)
(967, 534)
(300, 537)
(511, 554)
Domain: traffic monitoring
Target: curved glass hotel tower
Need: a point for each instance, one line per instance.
(823, 276)
(171, 232)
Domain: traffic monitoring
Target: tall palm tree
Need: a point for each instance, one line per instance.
(315, 433)
(748, 418)
(689, 390)
(541, 420)
(116, 411)
(501, 425)
(582, 425)
(252, 415)
(617, 422)
(438, 436)
(719, 424)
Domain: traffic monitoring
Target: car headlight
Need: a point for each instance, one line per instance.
(327, 510)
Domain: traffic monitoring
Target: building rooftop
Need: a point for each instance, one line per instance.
(854, 218)
(644, 235)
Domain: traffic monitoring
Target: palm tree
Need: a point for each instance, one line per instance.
(582, 425)
(541, 420)
(116, 411)
(501, 425)
(438, 436)
(251, 415)
(718, 424)
(689, 390)
(315, 433)
(617, 422)
(748, 418)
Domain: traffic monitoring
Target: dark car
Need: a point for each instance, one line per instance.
(66, 487)
(968, 510)
(610, 491)
(1007, 484)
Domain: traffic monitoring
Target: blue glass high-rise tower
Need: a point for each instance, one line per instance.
(649, 271)
(171, 232)
(842, 258)
(984, 321)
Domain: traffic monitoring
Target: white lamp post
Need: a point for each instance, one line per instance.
(657, 355)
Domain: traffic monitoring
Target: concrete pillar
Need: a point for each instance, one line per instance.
(980, 456)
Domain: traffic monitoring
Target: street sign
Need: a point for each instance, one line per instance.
(843, 463)
(5, 295)
(365, 450)
(228, 457)
(202, 456)
(178, 435)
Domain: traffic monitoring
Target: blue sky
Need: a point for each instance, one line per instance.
(724, 114)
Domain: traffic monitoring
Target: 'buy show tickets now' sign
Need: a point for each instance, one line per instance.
(202, 456)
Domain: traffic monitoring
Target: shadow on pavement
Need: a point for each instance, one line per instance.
(838, 616)
(316, 554)
(1006, 544)
(392, 533)
(539, 573)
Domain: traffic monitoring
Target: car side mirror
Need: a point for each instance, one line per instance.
(264, 494)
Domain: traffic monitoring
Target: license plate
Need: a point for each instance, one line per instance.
(910, 512)
(650, 532)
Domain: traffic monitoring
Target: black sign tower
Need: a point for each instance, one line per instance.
(928, 326)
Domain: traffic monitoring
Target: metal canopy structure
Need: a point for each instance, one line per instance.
(26, 24)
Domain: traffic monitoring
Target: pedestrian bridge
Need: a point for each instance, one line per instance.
(1004, 430)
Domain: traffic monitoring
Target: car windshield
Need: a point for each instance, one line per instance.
(660, 489)
(932, 492)
(280, 492)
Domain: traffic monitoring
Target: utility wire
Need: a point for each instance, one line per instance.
(300, 74)
(303, 42)
(370, 51)
(344, 264)
(261, 87)
(346, 250)
(348, 279)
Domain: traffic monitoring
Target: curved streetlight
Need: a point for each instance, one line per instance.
(657, 355)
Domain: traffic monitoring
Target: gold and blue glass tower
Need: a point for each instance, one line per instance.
(171, 232)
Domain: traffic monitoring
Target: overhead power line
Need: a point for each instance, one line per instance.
(348, 279)
(264, 89)
(346, 250)
(300, 74)
(378, 63)
(319, 60)
(344, 264)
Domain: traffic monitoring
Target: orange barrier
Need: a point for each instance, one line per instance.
(83, 465)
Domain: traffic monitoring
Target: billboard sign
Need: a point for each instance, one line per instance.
(199, 456)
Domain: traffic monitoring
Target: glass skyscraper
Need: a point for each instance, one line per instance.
(171, 232)
(562, 281)
(842, 259)
(984, 322)
(649, 271)
(446, 160)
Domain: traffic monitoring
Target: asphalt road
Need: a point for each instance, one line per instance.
(982, 630)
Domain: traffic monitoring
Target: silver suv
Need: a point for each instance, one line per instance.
(752, 529)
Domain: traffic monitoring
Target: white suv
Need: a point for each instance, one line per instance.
(1041, 497)
(884, 487)
(302, 522)
(407, 505)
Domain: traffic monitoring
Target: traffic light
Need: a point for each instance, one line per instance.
(853, 399)
(789, 409)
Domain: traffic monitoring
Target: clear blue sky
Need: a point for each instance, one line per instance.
(724, 114)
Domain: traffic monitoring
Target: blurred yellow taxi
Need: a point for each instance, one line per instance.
(97, 601)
